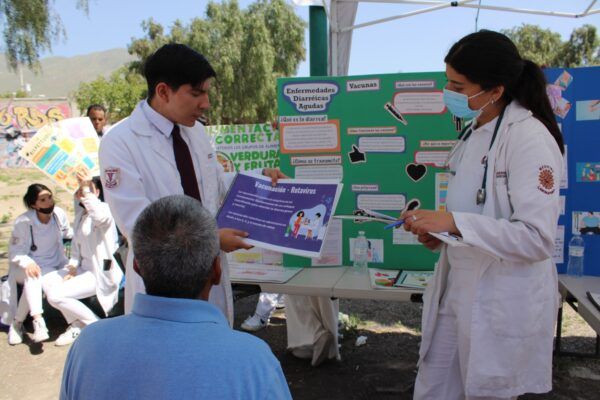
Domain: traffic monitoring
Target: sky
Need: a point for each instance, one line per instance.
(413, 44)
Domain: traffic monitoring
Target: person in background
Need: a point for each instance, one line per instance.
(174, 344)
(35, 250)
(92, 269)
(97, 114)
(490, 309)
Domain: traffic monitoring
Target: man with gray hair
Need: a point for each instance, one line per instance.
(174, 344)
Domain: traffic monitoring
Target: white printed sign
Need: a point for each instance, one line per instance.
(382, 144)
(420, 102)
(310, 97)
(381, 201)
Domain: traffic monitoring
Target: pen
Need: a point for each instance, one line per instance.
(394, 225)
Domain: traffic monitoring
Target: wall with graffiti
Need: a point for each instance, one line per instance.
(20, 119)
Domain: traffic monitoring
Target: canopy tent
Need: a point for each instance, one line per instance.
(341, 15)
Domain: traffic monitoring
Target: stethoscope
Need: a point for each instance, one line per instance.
(33, 247)
(462, 138)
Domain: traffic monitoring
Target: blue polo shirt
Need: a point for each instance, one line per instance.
(170, 349)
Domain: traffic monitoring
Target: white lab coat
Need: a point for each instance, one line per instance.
(19, 249)
(515, 303)
(143, 170)
(96, 235)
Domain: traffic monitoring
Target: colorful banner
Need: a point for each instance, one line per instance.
(19, 121)
(64, 148)
(291, 217)
(245, 147)
(580, 186)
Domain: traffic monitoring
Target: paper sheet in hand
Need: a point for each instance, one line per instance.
(365, 215)
(291, 217)
(64, 148)
(450, 240)
(261, 273)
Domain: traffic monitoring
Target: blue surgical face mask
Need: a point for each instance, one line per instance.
(458, 104)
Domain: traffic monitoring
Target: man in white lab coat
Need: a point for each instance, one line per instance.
(161, 150)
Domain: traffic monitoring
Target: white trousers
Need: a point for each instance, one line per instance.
(310, 317)
(31, 298)
(442, 373)
(267, 302)
(64, 295)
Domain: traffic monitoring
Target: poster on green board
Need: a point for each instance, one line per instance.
(387, 138)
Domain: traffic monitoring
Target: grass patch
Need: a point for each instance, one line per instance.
(5, 218)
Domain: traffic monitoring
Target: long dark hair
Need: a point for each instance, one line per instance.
(98, 184)
(491, 59)
(32, 194)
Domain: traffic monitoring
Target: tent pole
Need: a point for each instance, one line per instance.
(317, 21)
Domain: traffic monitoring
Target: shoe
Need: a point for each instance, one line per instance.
(68, 336)
(280, 305)
(254, 323)
(40, 332)
(15, 333)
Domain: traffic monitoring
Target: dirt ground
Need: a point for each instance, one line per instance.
(384, 368)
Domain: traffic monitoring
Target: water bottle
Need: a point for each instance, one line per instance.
(360, 252)
(576, 249)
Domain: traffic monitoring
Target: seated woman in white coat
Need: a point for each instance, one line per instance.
(92, 269)
(490, 309)
(35, 250)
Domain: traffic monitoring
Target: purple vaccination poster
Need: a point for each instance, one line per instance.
(291, 217)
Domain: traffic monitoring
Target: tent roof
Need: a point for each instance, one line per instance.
(342, 13)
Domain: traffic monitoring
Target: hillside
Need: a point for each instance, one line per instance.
(61, 75)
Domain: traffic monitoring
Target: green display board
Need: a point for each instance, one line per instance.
(386, 136)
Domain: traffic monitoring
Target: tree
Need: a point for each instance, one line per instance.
(249, 49)
(30, 27)
(547, 49)
(119, 93)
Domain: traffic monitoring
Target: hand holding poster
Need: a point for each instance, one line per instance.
(291, 217)
(64, 148)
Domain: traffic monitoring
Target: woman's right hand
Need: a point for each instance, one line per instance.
(33, 270)
(429, 241)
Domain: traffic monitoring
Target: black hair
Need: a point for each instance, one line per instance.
(98, 107)
(98, 184)
(176, 65)
(491, 59)
(32, 194)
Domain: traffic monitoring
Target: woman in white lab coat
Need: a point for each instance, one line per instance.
(35, 250)
(92, 269)
(489, 312)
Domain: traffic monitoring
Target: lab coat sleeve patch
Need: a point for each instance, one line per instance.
(111, 177)
(546, 181)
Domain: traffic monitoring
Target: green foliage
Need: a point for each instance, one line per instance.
(9, 95)
(119, 93)
(5, 218)
(547, 49)
(249, 49)
(29, 28)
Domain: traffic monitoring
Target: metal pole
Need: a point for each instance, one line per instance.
(318, 41)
